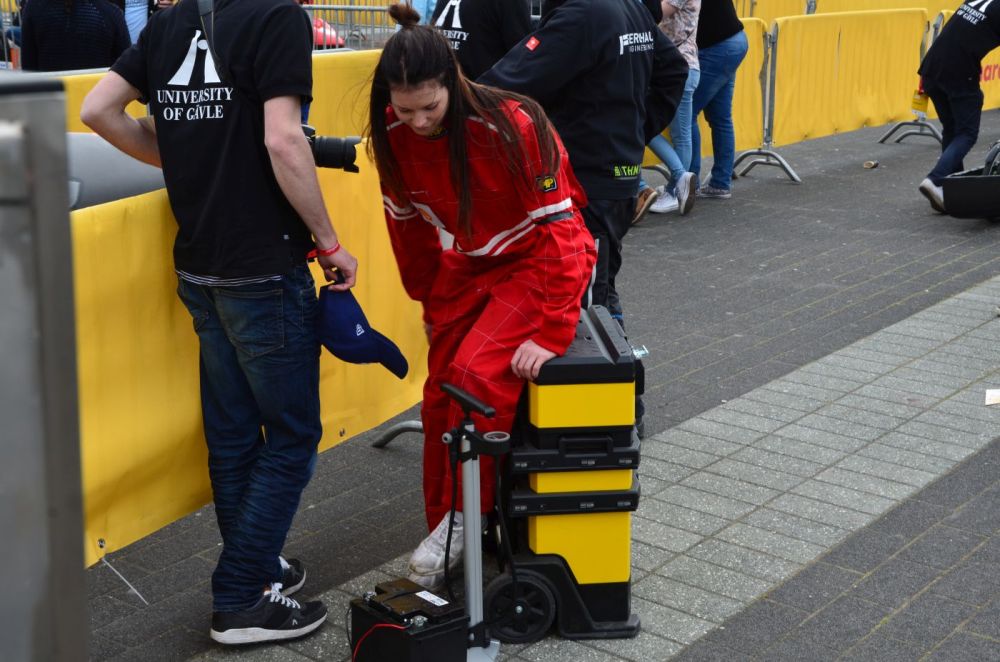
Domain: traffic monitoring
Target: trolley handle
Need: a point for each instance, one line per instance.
(468, 402)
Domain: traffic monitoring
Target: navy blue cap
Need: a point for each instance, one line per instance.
(345, 331)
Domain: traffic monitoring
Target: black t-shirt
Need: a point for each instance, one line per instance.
(717, 21)
(482, 31)
(955, 56)
(90, 34)
(234, 221)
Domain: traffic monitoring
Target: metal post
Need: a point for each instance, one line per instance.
(42, 558)
(473, 531)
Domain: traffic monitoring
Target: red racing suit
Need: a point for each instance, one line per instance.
(520, 275)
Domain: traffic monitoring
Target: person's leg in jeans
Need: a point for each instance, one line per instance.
(260, 371)
(712, 77)
(960, 112)
(719, 113)
(676, 153)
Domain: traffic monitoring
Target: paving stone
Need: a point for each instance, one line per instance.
(704, 651)
(106, 609)
(652, 486)
(865, 550)
(756, 627)
(980, 516)
(827, 370)
(955, 422)
(927, 620)
(101, 647)
(661, 535)
(665, 471)
(741, 559)
(972, 583)
(783, 400)
(564, 650)
(879, 406)
(642, 648)
(814, 587)
(677, 454)
(909, 386)
(168, 645)
(883, 344)
(883, 649)
(863, 502)
(936, 377)
(714, 578)
(843, 623)
(885, 357)
(945, 435)
(695, 601)
(649, 557)
(979, 411)
(860, 482)
(722, 431)
(864, 417)
(837, 427)
(795, 648)
(860, 365)
(742, 420)
(697, 442)
(775, 544)
(890, 335)
(799, 449)
(886, 471)
(909, 519)
(790, 467)
(899, 457)
(926, 446)
(712, 504)
(669, 623)
(745, 405)
(799, 528)
(897, 396)
(941, 547)
(895, 582)
(927, 331)
(827, 438)
(819, 511)
(800, 389)
(730, 487)
(680, 517)
(987, 621)
(965, 647)
(952, 367)
(838, 386)
(264, 653)
(754, 474)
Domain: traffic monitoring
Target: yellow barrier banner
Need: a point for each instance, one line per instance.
(77, 86)
(743, 7)
(768, 10)
(841, 72)
(142, 446)
(933, 7)
(748, 99)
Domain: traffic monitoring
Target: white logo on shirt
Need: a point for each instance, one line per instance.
(183, 75)
(635, 41)
(453, 6)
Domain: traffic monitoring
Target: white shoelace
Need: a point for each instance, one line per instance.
(276, 596)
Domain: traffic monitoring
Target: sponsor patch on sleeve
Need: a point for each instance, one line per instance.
(546, 183)
(532, 44)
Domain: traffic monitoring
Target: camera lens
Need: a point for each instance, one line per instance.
(335, 152)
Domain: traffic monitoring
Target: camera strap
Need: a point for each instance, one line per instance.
(207, 8)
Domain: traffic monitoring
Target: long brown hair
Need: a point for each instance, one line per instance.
(418, 54)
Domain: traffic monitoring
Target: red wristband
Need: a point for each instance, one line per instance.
(325, 252)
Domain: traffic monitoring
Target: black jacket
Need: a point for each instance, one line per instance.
(482, 31)
(609, 80)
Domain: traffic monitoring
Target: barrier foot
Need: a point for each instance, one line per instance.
(765, 157)
(923, 128)
(395, 431)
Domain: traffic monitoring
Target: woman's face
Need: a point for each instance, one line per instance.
(422, 108)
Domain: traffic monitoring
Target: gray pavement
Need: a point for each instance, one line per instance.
(819, 355)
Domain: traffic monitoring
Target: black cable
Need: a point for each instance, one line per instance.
(507, 547)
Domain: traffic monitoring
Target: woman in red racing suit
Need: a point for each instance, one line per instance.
(486, 167)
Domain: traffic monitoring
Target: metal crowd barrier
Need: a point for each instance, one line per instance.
(10, 18)
(357, 27)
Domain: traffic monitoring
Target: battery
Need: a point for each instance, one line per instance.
(401, 621)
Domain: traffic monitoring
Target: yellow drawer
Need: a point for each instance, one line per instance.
(581, 405)
(597, 547)
(605, 480)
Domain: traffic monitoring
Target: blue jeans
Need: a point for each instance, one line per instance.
(260, 407)
(677, 156)
(959, 108)
(714, 95)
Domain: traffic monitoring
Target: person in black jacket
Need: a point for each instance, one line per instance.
(61, 35)
(482, 31)
(610, 81)
(951, 71)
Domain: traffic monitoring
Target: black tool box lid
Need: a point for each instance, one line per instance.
(575, 454)
(403, 599)
(525, 501)
(971, 194)
(599, 354)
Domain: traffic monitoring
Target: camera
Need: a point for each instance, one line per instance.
(332, 152)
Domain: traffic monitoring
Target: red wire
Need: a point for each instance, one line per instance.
(357, 647)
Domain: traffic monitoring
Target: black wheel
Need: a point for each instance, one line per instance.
(993, 160)
(520, 619)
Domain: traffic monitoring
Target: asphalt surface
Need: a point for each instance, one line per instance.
(818, 355)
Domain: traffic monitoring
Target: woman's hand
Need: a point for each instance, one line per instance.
(528, 359)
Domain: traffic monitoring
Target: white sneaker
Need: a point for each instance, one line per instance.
(934, 193)
(665, 203)
(686, 186)
(427, 562)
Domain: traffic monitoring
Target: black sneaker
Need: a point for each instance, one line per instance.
(293, 575)
(273, 618)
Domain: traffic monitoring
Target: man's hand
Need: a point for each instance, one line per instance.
(340, 262)
(528, 359)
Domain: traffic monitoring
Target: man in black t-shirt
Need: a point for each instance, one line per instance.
(950, 72)
(482, 31)
(242, 185)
